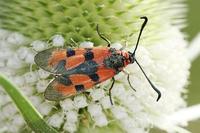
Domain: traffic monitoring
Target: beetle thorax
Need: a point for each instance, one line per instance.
(117, 60)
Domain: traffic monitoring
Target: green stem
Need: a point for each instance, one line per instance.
(30, 114)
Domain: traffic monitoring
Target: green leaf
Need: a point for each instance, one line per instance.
(30, 114)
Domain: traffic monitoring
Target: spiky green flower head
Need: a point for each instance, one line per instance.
(77, 19)
(32, 26)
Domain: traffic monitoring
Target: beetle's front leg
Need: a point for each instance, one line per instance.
(113, 82)
(128, 78)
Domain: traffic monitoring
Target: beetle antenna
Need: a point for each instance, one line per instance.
(142, 27)
(152, 85)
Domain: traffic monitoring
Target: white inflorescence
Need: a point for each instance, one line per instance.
(38, 45)
(165, 63)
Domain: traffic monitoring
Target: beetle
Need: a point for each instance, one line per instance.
(76, 70)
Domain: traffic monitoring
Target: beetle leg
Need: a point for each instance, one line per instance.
(128, 78)
(102, 36)
(113, 82)
(125, 71)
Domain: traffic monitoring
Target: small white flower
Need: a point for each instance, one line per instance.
(31, 77)
(58, 40)
(67, 104)
(72, 116)
(22, 52)
(30, 58)
(4, 99)
(13, 128)
(86, 44)
(100, 120)
(105, 102)
(5, 53)
(4, 34)
(8, 110)
(80, 101)
(133, 104)
(118, 90)
(27, 90)
(70, 127)
(16, 38)
(39, 45)
(119, 112)
(45, 108)
(14, 62)
(97, 94)
(41, 85)
(56, 120)
(97, 115)
(128, 123)
(43, 74)
(35, 100)
(18, 80)
(94, 110)
(18, 120)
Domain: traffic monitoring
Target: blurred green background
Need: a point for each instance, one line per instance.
(192, 30)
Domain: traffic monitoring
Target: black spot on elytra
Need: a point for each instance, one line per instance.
(79, 88)
(94, 77)
(89, 55)
(70, 52)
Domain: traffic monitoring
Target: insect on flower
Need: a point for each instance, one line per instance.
(76, 70)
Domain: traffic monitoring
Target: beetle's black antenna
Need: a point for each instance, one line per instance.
(134, 59)
(142, 27)
(102, 37)
(155, 89)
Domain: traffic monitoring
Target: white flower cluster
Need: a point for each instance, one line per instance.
(165, 63)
